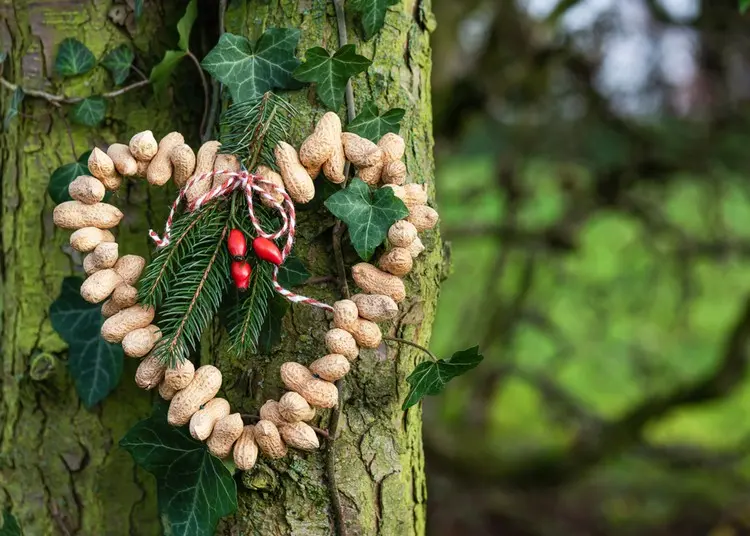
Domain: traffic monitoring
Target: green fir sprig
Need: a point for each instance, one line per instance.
(250, 130)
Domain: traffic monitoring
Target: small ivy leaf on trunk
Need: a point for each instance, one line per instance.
(64, 175)
(331, 73)
(89, 112)
(372, 13)
(118, 63)
(15, 103)
(73, 58)
(373, 126)
(10, 526)
(194, 488)
(249, 70)
(430, 377)
(368, 213)
(95, 364)
(292, 272)
(162, 71)
(270, 332)
(185, 24)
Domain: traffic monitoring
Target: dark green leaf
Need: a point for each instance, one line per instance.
(430, 377)
(373, 126)
(372, 13)
(118, 63)
(73, 58)
(331, 73)
(162, 71)
(10, 526)
(270, 332)
(368, 213)
(744, 5)
(95, 364)
(15, 103)
(194, 488)
(292, 272)
(138, 8)
(90, 111)
(185, 24)
(64, 175)
(250, 70)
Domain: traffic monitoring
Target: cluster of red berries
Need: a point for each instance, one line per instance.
(241, 270)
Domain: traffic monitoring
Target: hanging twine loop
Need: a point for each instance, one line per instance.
(249, 183)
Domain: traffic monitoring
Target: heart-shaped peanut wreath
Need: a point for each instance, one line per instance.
(219, 214)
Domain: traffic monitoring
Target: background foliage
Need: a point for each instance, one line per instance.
(592, 178)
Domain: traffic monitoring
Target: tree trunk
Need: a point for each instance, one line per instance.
(61, 471)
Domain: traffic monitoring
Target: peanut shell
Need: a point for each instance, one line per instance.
(397, 261)
(270, 412)
(345, 314)
(204, 162)
(331, 367)
(415, 248)
(393, 147)
(226, 431)
(204, 386)
(374, 281)
(99, 285)
(117, 326)
(299, 435)
(87, 189)
(166, 391)
(402, 233)
(293, 408)
(366, 333)
(87, 238)
(224, 162)
(414, 194)
(130, 268)
(160, 168)
(180, 376)
(371, 174)
(182, 158)
(360, 151)
(246, 449)
(141, 341)
(124, 162)
(271, 176)
(422, 217)
(125, 295)
(269, 440)
(394, 172)
(202, 422)
(341, 342)
(318, 393)
(103, 256)
(150, 372)
(297, 182)
(375, 307)
(143, 146)
(101, 166)
(76, 215)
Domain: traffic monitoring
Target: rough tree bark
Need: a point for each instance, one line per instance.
(61, 471)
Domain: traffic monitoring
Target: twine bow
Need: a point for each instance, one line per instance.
(248, 183)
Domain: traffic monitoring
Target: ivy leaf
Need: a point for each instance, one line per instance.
(118, 63)
(73, 58)
(162, 71)
(15, 103)
(10, 526)
(185, 24)
(95, 364)
(368, 213)
(64, 175)
(138, 8)
(249, 70)
(90, 111)
(744, 5)
(292, 272)
(372, 13)
(194, 488)
(331, 73)
(270, 331)
(430, 377)
(373, 126)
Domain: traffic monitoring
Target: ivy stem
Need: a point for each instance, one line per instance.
(338, 6)
(410, 343)
(256, 418)
(57, 100)
(206, 94)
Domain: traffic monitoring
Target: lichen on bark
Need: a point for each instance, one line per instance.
(60, 469)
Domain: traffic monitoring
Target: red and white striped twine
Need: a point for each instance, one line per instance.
(248, 182)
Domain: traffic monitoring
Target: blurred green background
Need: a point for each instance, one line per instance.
(592, 178)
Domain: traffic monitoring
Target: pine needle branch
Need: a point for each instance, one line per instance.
(250, 130)
(246, 319)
